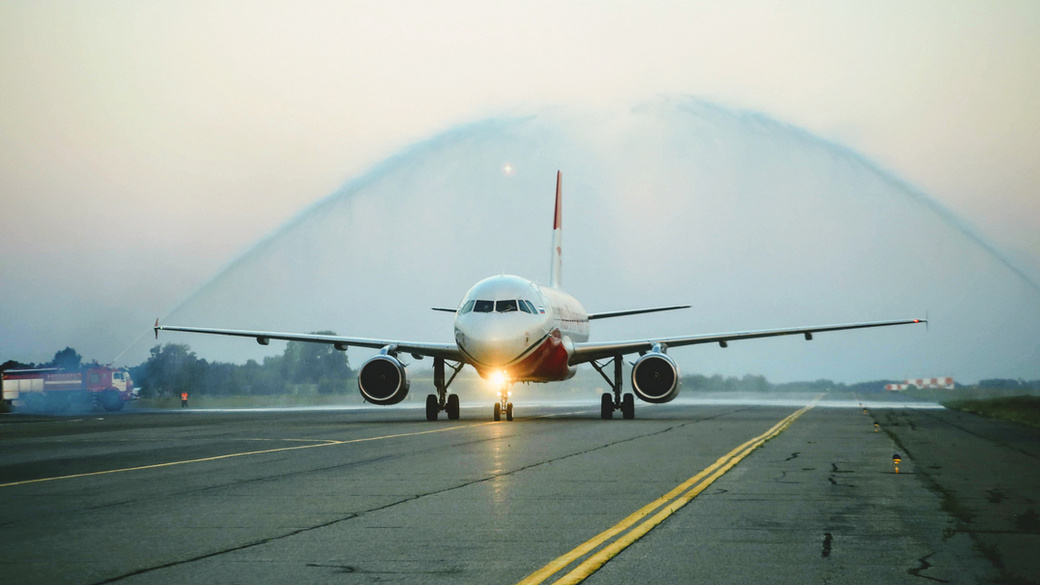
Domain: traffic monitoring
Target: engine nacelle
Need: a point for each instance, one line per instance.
(655, 378)
(383, 380)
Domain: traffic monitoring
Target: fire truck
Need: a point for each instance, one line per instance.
(57, 389)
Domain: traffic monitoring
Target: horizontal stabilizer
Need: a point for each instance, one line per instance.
(609, 314)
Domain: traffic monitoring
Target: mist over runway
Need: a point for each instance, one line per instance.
(786, 399)
(772, 493)
(756, 223)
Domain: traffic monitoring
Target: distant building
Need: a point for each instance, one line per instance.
(940, 383)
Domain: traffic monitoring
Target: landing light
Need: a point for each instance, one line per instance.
(498, 379)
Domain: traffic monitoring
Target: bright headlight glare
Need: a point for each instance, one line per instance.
(498, 379)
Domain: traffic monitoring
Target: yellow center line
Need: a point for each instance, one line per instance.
(671, 502)
(326, 443)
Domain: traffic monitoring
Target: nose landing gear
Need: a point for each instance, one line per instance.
(503, 406)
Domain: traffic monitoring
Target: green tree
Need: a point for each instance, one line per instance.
(16, 365)
(750, 383)
(316, 363)
(171, 369)
(66, 359)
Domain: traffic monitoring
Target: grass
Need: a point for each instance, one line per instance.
(1020, 409)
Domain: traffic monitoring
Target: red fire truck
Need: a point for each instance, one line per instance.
(57, 390)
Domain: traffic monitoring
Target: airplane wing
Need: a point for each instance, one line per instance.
(590, 351)
(418, 350)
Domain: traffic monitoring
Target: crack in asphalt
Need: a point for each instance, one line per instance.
(225, 551)
(338, 568)
(924, 565)
(349, 569)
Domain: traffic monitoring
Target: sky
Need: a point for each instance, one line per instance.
(146, 145)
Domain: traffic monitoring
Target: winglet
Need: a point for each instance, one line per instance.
(157, 329)
(925, 321)
(556, 276)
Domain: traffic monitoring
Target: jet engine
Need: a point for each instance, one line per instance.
(383, 380)
(655, 378)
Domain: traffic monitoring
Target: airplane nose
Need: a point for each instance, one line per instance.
(491, 343)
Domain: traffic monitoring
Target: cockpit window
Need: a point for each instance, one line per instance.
(505, 306)
(510, 306)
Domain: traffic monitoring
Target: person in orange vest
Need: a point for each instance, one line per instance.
(184, 400)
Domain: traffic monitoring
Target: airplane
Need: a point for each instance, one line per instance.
(511, 330)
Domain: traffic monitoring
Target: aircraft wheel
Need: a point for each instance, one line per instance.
(432, 408)
(606, 406)
(628, 406)
(498, 412)
(110, 400)
(452, 408)
(509, 411)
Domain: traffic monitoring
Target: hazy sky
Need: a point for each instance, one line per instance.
(143, 145)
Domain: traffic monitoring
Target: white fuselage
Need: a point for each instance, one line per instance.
(510, 326)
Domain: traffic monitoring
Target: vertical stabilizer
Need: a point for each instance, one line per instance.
(555, 278)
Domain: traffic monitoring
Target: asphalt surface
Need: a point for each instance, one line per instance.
(380, 495)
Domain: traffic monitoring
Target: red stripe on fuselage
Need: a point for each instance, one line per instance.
(546, 363)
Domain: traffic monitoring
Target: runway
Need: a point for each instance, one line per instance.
(713, 493)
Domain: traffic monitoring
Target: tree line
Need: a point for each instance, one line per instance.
(173, 368)
(752, 383)
(758, 383)
(66, 359)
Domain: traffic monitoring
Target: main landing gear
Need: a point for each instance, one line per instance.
(609, 402)
(449, 403)
(503, 406)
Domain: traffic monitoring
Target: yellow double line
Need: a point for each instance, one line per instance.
(665, 506)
